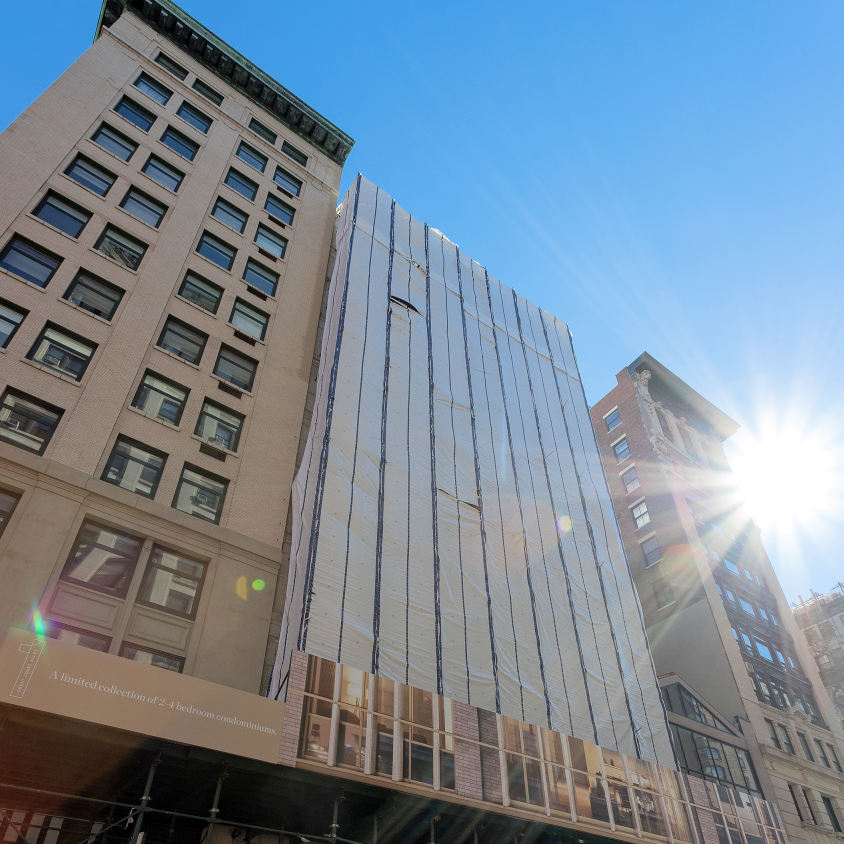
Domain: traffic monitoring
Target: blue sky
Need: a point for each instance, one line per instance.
(663, 176)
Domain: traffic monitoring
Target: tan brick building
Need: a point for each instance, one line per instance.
(743, 692)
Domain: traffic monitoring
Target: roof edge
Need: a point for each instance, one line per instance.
(723, 424)
(234, 69)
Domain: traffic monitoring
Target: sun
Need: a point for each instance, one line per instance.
(789, 479)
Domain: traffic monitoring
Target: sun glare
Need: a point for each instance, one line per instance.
(789, 479)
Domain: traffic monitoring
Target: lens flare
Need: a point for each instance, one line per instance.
(259, 584)
(563, 524)
(38, 624)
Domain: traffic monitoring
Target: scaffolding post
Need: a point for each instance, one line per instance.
(145, 800)
(215, 807)
(335, 817)
(375, 829)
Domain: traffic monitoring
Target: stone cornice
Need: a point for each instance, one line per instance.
(236, 70)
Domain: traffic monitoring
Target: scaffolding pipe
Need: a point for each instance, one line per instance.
(145, 800)
(334, 829)
(215, 807)
(375, 829)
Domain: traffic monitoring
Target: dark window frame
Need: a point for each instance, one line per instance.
(79, 280)
(139, 197)
(58, 412)
(51, 196)
(116, 235)
(153, 565)
(174, 322)
(118, 137)
(262, 131)
(237, 176)
(69, 335)
(251, 153)
(142, 649)
(294, 153)
(121, 439)
(250, 267)
(289, 183)
(192, 277)
(196, 118)
(146, 83)
(144, 386)
(180, 141)
(210, 476)
(22, 312)
(128, 109)
(171, 66)
(160, 165)
(237, 432)
(211, 239)
(235, 354)
(205, 90)
(247, 306)
(29, 246)
(230, 211)
(82, 161)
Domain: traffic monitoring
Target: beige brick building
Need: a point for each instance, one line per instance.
(743, 691)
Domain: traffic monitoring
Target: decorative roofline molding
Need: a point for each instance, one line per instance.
(234, 69)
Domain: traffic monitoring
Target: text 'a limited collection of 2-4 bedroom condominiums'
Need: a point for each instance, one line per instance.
(305, 533)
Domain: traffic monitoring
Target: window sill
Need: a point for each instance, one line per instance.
(157, 419)
(29, 215)
(228, 451)
(86, 311)
(245, 336)
(177, 357)
(135, 126)
(50, 371)
(230, 385)
(70, 181)
(194, 305)
(32, 284)
(94, 145)
(194, 128)
(279, 222)
(214, 263)
(112, 261)
(158, 184)
(146, 225)
(176, 152)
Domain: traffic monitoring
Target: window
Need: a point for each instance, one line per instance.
(219, 426)
(163, 173)
(763, 650)
(297, 155)
(82, 638)
(822, 753)
(200, 494)
(236, 368)
(612, 420)
(27, 422)
(804, 743)
(201, 292)
(180, 143)
(207, 91)
(830, 812)
(630, 479)
(746, 606)
(834, 756)
(663, 593)
(10, 318)
(809, 804)
(772, 734)
(793, 790)
(8, 502)
(270, 241)
(195, 117)
(134, 466)
(239, 182)
(28, 261)
(172, 582)
(121, 247)
(251, 156)
(63, 215)
(114, 142)
(249, 320)
(160, 398)
(144, 207)
(651, 551)
(622, 450)
(278, 209)
(153, 658)
(287, 181)
(229, 216)
(216, 250)
(103, 558)
(640, 514)
(732, 567)
(153, 89)
(94, 295)
(785, 736)
(182, 340)
(171, 66)
(135, 113)
(262, 131)
(62, 351)
(90, 175)
(261, 277)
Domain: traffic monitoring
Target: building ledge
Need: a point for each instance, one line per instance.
(235, 69)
